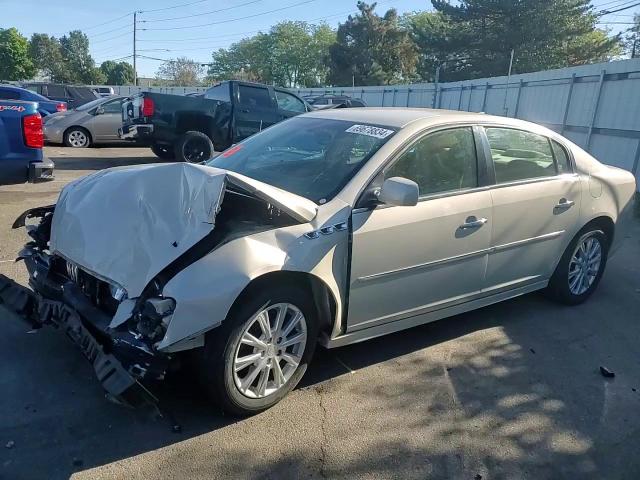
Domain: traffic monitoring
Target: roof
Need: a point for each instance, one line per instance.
(390, 116)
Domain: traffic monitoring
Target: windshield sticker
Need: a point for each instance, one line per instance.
(370, 131)
(12, 107)
(231, 151)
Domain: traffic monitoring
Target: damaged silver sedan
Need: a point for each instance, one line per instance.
(332, 227)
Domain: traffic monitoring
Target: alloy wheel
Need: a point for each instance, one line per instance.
(78, 138)
(584, 264)
(270, 350)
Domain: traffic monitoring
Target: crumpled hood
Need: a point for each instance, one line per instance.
(126, 224)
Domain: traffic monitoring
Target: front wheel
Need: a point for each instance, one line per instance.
(580, 268)
(261, 351)
(194, 147)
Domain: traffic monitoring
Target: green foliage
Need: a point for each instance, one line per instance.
(291, 54)
(46, 53)
(544, 34)
(632, 38)
(15, 61)
(75, 52)
(371, 50)
(117, 73)
(180, 72)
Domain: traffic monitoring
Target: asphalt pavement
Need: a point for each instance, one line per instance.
(511, 391)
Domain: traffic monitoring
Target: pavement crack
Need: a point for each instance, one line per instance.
(325, 440)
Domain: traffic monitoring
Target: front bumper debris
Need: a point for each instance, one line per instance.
(121, 359)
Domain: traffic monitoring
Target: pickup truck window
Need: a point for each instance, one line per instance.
(219, 92)
(7, 94)
(311, 157)
(56, 91)
(288, 102)
(254, 96)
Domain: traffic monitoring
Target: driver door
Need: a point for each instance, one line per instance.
(407, 261)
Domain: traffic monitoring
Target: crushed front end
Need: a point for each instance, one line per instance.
(65, 296)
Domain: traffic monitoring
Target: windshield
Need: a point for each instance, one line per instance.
(91, 104)
(311, 157)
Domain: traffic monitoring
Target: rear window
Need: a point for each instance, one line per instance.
(219, 92)
(254, 96)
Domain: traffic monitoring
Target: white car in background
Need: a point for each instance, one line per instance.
(335, 227)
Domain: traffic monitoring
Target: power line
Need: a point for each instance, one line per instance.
(175, 6)
(108, 31)
(111, 38)
(203, 13)
(609, 12)
(110, 21)
(233, 19)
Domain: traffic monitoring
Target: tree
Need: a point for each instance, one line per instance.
(75, 52)
(371, 50)
(291, 54)
(632, 39)
(181, 72)
(46, 53)
(544, 34)
(15, 61)
(117, 73)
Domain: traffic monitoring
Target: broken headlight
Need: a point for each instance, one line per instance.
(154, 317)
(117, 292)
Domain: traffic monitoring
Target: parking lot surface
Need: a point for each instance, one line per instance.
(509, 391)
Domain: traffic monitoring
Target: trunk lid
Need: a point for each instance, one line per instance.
(124, 225)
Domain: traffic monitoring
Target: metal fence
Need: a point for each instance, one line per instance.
(596, 106)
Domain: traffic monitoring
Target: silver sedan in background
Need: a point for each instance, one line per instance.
(94, 122)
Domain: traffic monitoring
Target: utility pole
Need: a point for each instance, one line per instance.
(506, 90)
(135, 72)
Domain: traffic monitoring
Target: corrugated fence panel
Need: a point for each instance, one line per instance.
(595, 106)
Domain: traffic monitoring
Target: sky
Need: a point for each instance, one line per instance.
(172, 28)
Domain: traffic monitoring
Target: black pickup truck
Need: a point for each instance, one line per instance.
(189, 128)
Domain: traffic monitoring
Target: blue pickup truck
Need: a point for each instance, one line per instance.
(21, 140)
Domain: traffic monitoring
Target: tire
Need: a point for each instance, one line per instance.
(164, 152)
(565, 287)
(223, 346)
(77, 137)
(193, 147)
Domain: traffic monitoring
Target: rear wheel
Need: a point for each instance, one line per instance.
(77, 137)
(580, 268)
(164, 152)
(194, 147)
(261, 351)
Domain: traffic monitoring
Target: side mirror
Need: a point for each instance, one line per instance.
(99, 110)
(399, 192)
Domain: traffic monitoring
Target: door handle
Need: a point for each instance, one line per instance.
(473, 222)
(564, 204)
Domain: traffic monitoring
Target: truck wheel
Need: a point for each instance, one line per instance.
(164, 152)
(77, 137)
(261, 351)
(194, 147)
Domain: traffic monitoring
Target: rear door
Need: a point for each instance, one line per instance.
(255, 110)
(536, 202)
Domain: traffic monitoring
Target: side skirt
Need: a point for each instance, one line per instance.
(398, 325)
